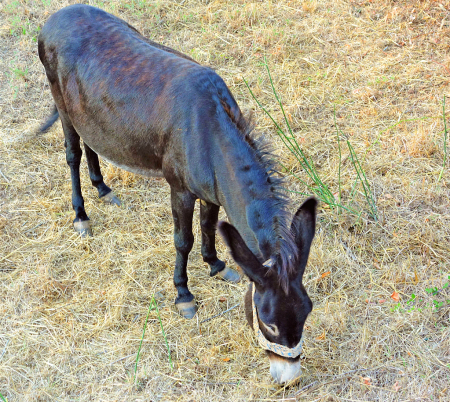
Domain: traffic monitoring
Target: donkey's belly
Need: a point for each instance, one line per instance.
(131, 154)
(139, 170)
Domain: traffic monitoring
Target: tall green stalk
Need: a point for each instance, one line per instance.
(153, 305)
(320, 189)
(363, 179)
(340, 153)
(445, 141)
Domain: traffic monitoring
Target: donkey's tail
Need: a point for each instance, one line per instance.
(50, 121)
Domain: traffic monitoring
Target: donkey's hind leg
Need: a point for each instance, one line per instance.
(209, 214)
(104, 192)
(73, 157)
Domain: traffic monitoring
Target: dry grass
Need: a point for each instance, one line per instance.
(72, 310)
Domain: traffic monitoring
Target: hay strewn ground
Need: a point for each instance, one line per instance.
(72, 310)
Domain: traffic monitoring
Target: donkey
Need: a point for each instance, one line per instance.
(154, 111)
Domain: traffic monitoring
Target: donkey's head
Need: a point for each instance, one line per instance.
(277, 313)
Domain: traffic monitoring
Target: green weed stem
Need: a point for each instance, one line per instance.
(164, 333)
(340, 153)
(445, 141)
(363, 179)
(153, 305)
(321, 190)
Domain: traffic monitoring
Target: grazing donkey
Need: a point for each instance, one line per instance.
(152, 110)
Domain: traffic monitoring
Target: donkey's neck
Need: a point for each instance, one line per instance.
(250, 197)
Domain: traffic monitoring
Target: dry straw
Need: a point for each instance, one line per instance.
(72, 310)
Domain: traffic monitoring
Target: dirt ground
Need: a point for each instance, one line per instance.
(72, 310)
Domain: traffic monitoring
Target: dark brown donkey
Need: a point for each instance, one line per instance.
(154, 111)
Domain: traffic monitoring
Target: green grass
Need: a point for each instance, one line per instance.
(3, 398)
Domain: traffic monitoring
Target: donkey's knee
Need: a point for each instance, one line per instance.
(184, 243)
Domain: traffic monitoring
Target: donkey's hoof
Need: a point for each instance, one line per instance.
(230, 275)
(83, 228)
(111, 198)
(187, 309)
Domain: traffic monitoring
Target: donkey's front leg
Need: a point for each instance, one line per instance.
(183, 203)
(209, 214)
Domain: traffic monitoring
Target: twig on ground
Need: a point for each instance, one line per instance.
(4, 349)
(4, 176)
(339, 377)
(218, 315)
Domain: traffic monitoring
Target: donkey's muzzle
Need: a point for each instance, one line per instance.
(284, 370)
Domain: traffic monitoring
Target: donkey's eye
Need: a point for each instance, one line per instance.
(272, 329)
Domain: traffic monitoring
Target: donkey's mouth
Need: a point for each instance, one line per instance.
(284, 370)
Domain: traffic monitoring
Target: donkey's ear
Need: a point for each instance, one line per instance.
(242, 254)
(303, 228)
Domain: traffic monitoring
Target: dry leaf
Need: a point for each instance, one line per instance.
(396, 387)
(321, 337)
(366, 380)
(227, 359)
(325, 274)
(395, 296)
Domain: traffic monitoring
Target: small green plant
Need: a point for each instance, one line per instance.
(416, 304)
(19, 73)
(36, 33)
(19, 27)
(153, 306)
(138, 7)
(12, 7)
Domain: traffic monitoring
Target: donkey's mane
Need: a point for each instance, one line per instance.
(285, 249)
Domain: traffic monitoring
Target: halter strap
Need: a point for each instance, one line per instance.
(265, 344)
